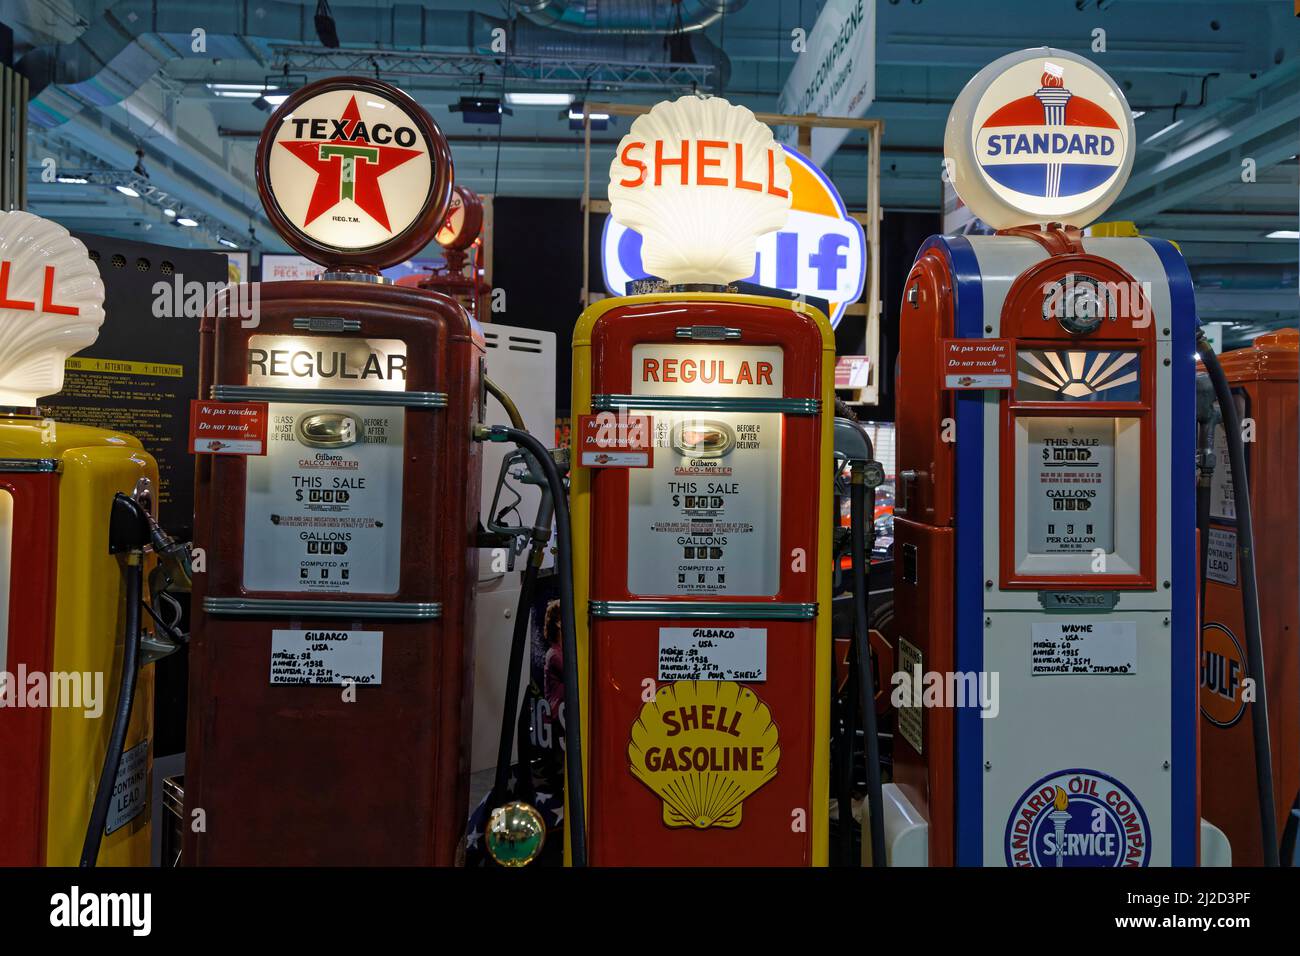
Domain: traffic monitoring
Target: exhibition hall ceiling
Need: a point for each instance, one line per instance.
(162, 98)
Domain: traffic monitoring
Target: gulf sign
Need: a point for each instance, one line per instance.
(821, 252)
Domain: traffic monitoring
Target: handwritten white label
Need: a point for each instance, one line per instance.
(713, 653)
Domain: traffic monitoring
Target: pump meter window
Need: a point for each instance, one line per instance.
(705, 519)
(1078, 492)
(323, 510)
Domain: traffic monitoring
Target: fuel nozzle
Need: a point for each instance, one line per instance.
(128, 525)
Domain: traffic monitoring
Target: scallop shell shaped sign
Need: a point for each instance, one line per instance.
(820, 252)
(704, 747)
(352, 171)
(1039, 136)
(51, 305)
(700, 180)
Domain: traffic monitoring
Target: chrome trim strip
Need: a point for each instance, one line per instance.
(738, 610)
(269, 607)
(326, 323)
(327, 396)
(29, 465)
(700, 403)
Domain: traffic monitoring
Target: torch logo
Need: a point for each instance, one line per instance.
(1051, 143)
(1078, 818)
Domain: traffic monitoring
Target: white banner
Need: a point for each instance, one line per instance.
(835, 75)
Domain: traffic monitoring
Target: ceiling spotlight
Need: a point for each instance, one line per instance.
(75, 180)
(326, 29)
(1283, 234)
(539, 99)
(270, 101)
(226, 242)
(480, 110)
(186, 221)
(235, 91)
(169, 213)
(127, 191)
(599, 121)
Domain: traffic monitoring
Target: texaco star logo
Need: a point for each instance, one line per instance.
(347, 166)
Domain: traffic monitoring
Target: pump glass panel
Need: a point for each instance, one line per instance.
(706, 518)
(1078, 488)
(1071, 484)
(1078, 375)
(323, 509)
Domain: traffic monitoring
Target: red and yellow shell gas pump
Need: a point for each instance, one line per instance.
(330, 663)
(701, 492)
(1045, 593)
(1263, 378)
(64, 604)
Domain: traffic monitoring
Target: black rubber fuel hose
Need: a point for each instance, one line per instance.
(1249, 597)
(576, 810)
(122, 716)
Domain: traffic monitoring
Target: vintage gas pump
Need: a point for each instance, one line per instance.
(701, 490)
(1263, 380)
(1045, 578)
(331, 661)
(459, 236)
(68, 619)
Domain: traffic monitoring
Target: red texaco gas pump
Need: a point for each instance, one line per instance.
(459, 237)
(1263, 379)
(337, 498)
(1044, 527)
(701, 491)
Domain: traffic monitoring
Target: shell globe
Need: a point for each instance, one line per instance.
(701, 233)
(60, 305)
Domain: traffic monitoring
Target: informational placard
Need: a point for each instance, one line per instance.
(1084, 645)
(1222, 503)
(1221, 560)
(615, 440)
(282, 267)
(323, 507)
(228, 428)
(976, 363)
(713, 653)
(1071, 484)
(142, 372)
(853, 371)
(130, 788)
(909, 714)
(327, 657)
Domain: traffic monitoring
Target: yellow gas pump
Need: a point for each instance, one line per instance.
(62, 594)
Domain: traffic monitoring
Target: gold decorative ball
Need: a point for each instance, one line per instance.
(515, 834)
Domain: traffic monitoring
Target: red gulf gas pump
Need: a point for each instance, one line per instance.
(701, 491)
(330, 662)
(1263, 380)
(1045, 581)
